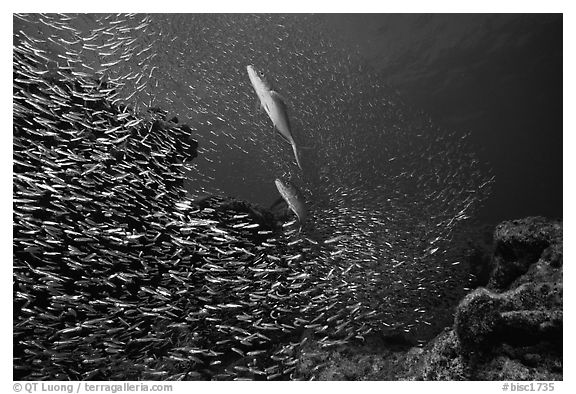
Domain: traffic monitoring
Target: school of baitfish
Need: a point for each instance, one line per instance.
(121, 270)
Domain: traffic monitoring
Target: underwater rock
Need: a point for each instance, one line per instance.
(379, 357)
(519, 244)
(515, 334)
(439, 360)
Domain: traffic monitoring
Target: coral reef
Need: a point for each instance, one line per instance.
(378, 357)
(519, 244)
(512, 329)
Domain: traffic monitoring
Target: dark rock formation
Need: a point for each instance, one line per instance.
(379, 357)
(519, 244)
(513, 329)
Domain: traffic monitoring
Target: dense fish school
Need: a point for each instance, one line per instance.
(129, 260)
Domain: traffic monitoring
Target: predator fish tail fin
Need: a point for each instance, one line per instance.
(297, 156)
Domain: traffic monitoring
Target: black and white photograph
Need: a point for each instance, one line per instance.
(280, 196)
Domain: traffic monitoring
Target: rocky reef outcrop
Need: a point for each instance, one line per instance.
(512, 328)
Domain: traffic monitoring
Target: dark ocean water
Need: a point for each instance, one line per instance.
(498, 76)
(412, 129)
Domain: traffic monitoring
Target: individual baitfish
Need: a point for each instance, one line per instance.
(293, 198)
(274, 106)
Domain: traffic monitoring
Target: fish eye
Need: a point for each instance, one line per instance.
(261, 73)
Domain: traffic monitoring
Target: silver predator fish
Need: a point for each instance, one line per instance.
(293, 198)
(274, 106)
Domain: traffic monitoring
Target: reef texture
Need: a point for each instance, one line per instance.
(509, 330)
(512, 329)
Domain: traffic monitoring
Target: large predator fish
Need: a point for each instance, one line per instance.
(274, 106)
(293, 198)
